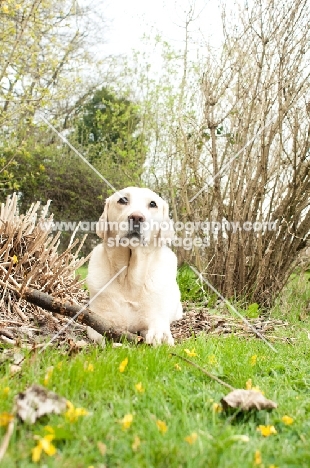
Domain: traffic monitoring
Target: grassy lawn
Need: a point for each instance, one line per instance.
(175, 418)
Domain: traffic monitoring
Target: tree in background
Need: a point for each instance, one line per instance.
(109, 132)
(44, 49)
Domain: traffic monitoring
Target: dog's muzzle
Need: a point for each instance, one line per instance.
(135, 225)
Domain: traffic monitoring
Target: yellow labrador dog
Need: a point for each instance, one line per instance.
(144, 297)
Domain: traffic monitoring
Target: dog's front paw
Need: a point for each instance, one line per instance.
(156, 336)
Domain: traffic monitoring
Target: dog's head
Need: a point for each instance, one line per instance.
(135, 216)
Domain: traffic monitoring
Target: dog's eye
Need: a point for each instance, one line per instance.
(153, 204)
(123, 201)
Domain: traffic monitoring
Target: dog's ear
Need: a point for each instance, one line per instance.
(166, 226)
(102, 227)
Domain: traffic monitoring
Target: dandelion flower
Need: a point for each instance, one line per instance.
(266, 431)
(44, 445)
(257, 458)
(287, 420)
(136, 444)
(14, 259)
(212, 360)
(253, 360)
(48, 375)
(139, 387)
(127, 421)
(177, 367)
(6, 391)
(162, 426)
(5, 418)
(191, 353)
(249, 386)
(123, 365)
(72, 413)
(191, 439)
(217, 408)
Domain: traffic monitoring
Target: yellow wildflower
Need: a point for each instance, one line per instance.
(191, 353)
(89, 367)
(127, 421)
(5, 418)
(191, 439)
(212, 360)
(14, 259)
(44, 445)
(139, 387)
(253, 360)
(177, 367)
(217, 408)
(162, 426)
(72, 413)
(287, 420)
(48, 375)
(123, 365)
(6, 391)
(249, 386)
(257, 458)
(266, 431)
(136, 444)
(49, 429)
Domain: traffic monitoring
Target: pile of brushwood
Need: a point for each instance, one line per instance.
(40, 294)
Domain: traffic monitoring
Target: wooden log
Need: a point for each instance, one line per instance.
(81, 313)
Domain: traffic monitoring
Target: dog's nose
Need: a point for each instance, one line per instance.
(136, 217)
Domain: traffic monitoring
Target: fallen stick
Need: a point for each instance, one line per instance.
(211, 376)
(81, 313)
(6, 439)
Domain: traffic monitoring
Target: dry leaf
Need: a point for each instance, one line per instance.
(246, 400)
(14, 369)
(37, 401)
(81, 343)
(18, 358)
(102, 448)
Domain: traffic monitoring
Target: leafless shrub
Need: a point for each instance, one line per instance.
(29, 257)
(247, 158)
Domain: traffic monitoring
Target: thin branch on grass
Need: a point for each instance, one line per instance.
(211, 376)
(6, 439)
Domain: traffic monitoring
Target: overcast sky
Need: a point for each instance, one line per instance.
(130, 19)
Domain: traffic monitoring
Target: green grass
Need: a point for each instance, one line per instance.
(82, 271)
(183, 399)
